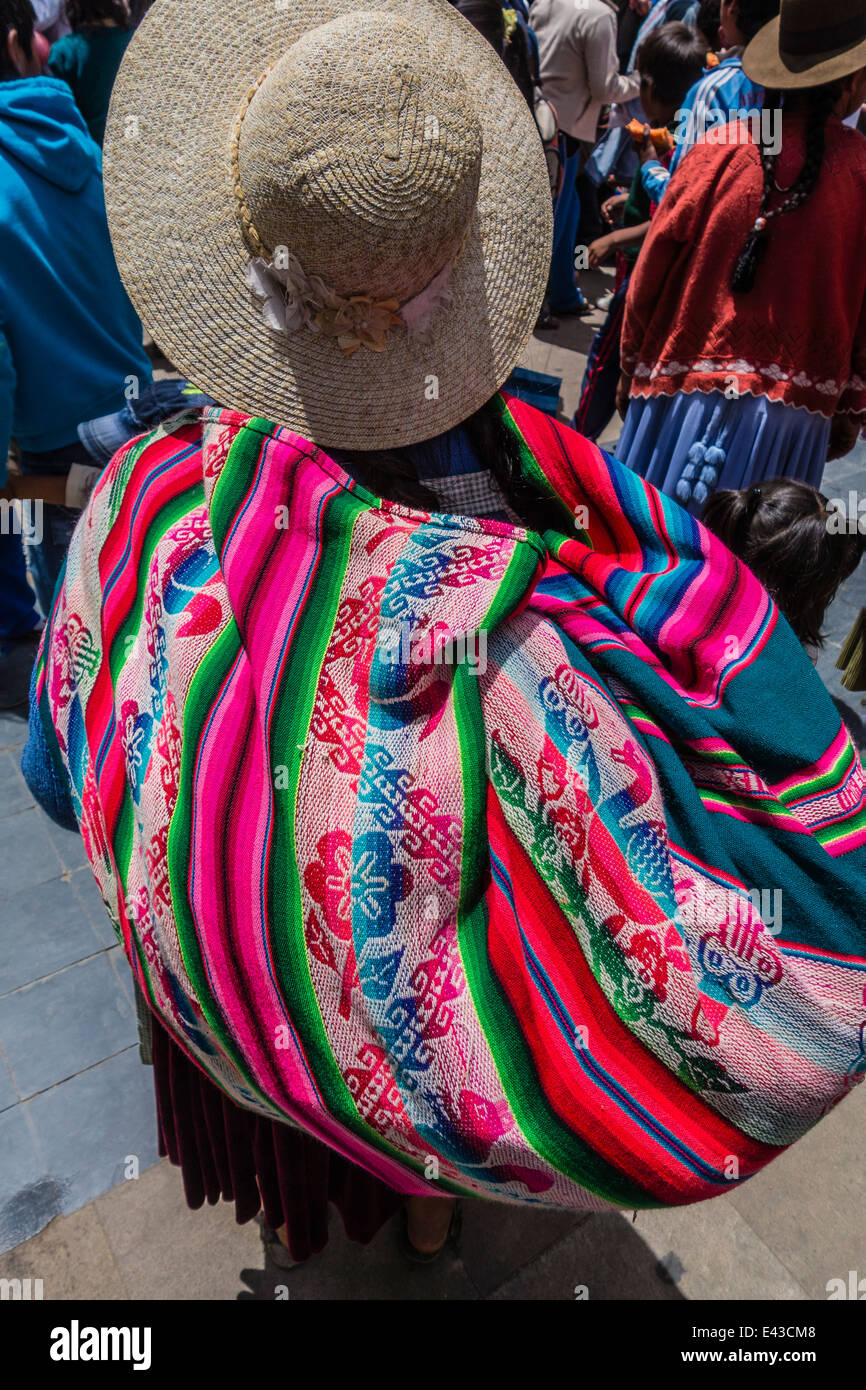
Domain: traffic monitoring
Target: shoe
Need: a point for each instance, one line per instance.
(546, 323)
(275, 1251)
(427, 1257)
(573, 311)
(604, 301)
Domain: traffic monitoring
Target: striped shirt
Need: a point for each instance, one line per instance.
(715, 100)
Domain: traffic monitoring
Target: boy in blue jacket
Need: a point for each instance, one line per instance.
(70, 341)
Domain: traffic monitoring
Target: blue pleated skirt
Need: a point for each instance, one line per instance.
(691, 445)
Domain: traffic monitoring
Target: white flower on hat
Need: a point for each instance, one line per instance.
(291, 298)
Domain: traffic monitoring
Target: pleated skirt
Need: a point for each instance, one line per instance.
(752, 439)
(259, 1164)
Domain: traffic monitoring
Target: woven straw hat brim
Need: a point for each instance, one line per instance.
(178, 243)
(764, 63)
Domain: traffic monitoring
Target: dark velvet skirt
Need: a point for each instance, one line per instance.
(229, 1153)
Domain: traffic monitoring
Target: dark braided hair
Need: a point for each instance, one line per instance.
(819, 103)
(391, 473)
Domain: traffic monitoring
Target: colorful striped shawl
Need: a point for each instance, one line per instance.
(486, 914)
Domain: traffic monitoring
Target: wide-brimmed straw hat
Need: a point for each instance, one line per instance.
(811, 42)
(332, 215)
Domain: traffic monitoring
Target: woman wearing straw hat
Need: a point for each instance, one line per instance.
(422, 754)
(745, 331)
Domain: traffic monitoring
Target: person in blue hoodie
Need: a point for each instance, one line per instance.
(70, 341)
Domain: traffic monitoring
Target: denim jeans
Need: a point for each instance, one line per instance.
(563, 290)
(601, 378)
(46, 554)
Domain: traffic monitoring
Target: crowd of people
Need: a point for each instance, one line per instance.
(713, 399)
(369, 903)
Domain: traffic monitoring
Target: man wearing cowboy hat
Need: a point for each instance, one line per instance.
(809, 44)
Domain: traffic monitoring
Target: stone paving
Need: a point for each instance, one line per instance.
(86, 1205)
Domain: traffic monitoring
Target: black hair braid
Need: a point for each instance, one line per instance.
(497, 449)
(387, 473)
(820, 110)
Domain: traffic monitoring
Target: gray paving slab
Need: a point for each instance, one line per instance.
(123, 974)
(353, 1272)
(14, 792)
(84, 887)
(601, 1260)
(28, 857)
(712, 1252)
(497, 1239)
(68, 843)
(163, 1250)
(60, 1025)
(13, 729)
(92, 1126)
(71, 1257)
(41, 931)
(808, 1205)
(8, 1094)
(28, 1194)
(841, 475)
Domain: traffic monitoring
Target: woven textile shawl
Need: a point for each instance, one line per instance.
(492, 923)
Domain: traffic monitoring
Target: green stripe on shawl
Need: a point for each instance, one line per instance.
(541, 1127)
(818, 784)
(767, 805)
(830, 834)
(293, 706)
(712, 757)
(534, 473)
(121, 649)
(234, 482)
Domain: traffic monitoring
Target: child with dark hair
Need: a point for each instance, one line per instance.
(782, 531)
(725, 88)
(88, 58)
(17, 32)
(614, 157)
(708, 23)
(669, 60)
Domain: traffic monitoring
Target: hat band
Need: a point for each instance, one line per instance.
(250, 234)
(831, 37)
(293, 299)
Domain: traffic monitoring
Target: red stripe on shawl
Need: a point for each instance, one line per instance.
(691, 654)
(576, 1098)
(577, 470)
(118, 603)
(126, 537)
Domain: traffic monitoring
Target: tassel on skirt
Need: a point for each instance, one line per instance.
(691, 445)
